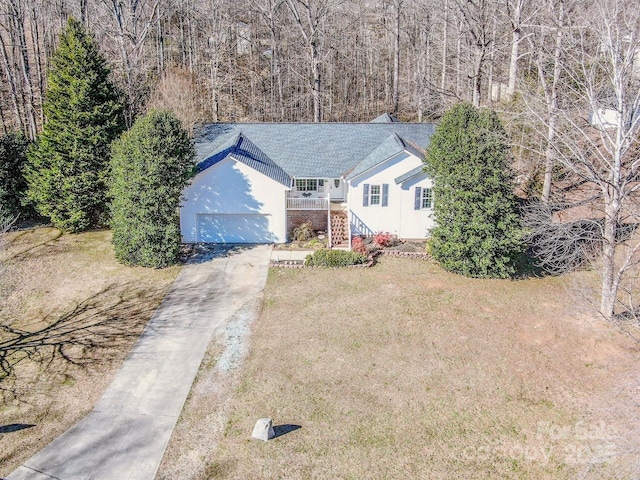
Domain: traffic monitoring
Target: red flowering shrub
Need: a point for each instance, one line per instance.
(383, 240)
(358, 246)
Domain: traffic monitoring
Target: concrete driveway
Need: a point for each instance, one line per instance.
(126, 434)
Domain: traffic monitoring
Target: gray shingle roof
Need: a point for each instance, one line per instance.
(312, 150)
(385, 118)
(243, 150)
(390, 146)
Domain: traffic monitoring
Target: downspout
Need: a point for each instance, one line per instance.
(346, 197)
(329, 220)
(286, 209)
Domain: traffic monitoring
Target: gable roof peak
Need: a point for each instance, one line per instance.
(386, 118)
(389, 147)
(244, 150)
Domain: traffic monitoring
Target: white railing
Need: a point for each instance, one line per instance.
(307, 203)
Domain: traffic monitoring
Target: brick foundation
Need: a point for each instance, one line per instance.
(295, 218)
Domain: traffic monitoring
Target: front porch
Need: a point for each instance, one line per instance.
(322, 213)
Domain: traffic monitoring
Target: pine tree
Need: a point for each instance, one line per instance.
(150, 166)
(68, 164)
(13, 186)
(478, 231)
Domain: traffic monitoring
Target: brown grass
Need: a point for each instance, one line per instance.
(406, 371)
(70, 314)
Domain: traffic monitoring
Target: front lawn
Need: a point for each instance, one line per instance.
(69, 314)
(406, 371)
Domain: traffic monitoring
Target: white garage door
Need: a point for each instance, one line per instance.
(234, 228)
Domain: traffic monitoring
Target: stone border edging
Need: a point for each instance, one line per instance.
(370, 263)
(289, 264)
(398, 253)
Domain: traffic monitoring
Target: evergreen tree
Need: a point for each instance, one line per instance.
(68, 163)
(478, 231)
(150, 166)
(13, 186)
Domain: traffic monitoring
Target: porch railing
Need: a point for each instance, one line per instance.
(294, 203)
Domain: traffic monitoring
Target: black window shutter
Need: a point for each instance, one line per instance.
(365, 196)
(418, 204)
(385, 194)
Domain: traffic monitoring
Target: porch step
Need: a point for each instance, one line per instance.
(339, 229)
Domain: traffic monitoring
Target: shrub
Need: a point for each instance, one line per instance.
(13, 186)
(150, 166)
(358, 246)
(478, 230)
(428, 247)
(315, 244)
(334, 258)
(303, 232)
(383, 240)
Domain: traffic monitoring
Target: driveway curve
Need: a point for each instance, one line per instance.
(126, 434)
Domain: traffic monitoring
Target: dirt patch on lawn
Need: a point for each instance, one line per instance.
(69, 315)
(407, 371)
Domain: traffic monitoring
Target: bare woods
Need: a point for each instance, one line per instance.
(288, 60)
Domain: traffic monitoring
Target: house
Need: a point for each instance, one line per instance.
(256, 182)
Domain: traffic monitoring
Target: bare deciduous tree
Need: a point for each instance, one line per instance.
(597, 135)
(477, 16)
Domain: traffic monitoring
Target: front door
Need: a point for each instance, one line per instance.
(336, 188)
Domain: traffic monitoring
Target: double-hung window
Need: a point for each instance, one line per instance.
(306, 184)
(424, 198)
(375, 194)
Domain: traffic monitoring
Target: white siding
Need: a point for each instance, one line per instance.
(231, 187)
(399, 217)
(415, 223)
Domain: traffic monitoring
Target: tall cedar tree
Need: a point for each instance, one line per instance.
(13, 186)
(68, 164)
(150, 166)
(478, 231)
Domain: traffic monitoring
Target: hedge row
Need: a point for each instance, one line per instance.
(334, 258)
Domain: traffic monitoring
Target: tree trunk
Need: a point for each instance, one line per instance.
(12, 86)
(551, 95)
(549, 156)
(513, 62)
(396, 58)
(515, 17)
(610, 280)
(35, 34)
(492, 57)
(445, 38)
(315, 89)
(30, 109)
(477, 75)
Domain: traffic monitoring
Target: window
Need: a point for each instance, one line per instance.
(375, 195)
(424, 198)
(427, 198)
(306, 184)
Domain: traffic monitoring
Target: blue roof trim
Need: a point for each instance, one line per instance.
(410, 174)
(243, 150)
(224, 152)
